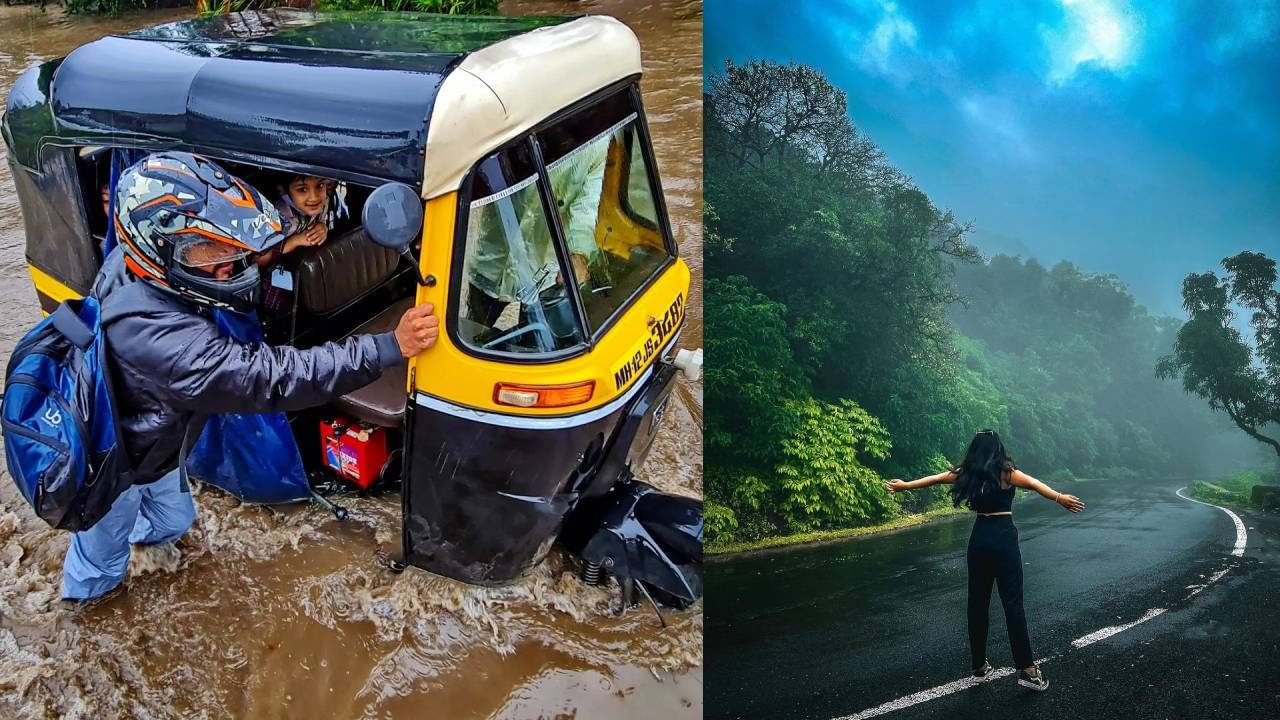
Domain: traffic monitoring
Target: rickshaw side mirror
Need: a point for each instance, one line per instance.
(392, 218)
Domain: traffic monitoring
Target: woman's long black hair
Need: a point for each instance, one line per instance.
(985, 463)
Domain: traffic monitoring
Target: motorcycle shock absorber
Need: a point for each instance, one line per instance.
(592, 573)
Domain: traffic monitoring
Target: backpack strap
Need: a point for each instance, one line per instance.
(131, 299)
(135, 298)
(66, 321)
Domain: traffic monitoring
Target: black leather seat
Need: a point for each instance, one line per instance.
(383, 401)
(333, 276)
(341, 270)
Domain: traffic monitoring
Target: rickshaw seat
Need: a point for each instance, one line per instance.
(383, 401)
(340, 271)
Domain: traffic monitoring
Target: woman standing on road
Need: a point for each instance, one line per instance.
(985, 481)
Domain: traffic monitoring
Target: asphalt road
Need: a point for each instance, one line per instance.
(836, 631)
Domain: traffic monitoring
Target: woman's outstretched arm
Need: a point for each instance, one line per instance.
(947, 478)
(1023, 480)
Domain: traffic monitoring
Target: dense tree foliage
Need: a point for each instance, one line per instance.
(1212, 357)
(855, 333)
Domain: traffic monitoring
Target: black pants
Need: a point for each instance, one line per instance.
(994, 555)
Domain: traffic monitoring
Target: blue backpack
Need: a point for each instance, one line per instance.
(62, 438)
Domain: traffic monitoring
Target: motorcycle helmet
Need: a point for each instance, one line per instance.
(191, 228)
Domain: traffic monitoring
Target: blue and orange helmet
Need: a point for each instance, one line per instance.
(190, 227)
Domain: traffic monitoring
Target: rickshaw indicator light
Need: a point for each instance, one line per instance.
(543, 396)
(521, 398)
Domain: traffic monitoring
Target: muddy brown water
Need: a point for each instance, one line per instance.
(284, 613)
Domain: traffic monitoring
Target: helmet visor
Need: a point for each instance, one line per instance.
(205, 257)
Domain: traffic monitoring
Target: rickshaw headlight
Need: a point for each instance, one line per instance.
(544, 396)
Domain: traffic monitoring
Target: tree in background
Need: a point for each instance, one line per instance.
(822, 481)
(1071, 354)
(1213, 358)
(827, 273)
(809, 212)
(854, 332)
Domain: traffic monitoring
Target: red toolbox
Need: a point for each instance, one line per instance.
(355, 451)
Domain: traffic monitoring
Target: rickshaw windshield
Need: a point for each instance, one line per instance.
(515, 298)
(604, 197)
(523, 265)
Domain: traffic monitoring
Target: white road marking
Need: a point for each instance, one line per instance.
(1212, 579)
(956, 686)
(1107, 632)
(1242, 537)
(930, 694)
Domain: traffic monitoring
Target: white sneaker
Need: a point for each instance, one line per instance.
(1035, 682)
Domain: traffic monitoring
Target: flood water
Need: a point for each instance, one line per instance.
(284, 612)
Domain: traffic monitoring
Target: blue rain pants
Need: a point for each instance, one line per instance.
(144, 514)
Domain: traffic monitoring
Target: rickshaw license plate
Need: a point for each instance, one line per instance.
(660, 331)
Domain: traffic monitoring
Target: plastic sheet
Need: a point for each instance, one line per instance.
(253, 456)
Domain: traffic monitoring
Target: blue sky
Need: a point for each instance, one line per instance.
(1133, 137)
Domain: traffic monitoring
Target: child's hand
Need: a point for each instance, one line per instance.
(311, 237)
(894, 486)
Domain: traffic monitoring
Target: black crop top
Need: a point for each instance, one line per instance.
(994, 499)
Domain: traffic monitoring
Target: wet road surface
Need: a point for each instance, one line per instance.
(836, 631)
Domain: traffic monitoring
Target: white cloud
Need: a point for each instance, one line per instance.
(893, 31)
(884, 49)
(998, 125)
(1097, 33)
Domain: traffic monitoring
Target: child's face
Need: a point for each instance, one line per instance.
(309, 193)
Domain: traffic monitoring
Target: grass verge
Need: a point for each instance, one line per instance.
(1218, 495)
(1235, 489)
(830, 535)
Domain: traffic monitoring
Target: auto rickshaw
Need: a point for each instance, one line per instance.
(509, 161)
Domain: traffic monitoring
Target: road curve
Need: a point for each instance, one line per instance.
(1145, 603)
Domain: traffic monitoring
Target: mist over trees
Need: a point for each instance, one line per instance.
(855, 333)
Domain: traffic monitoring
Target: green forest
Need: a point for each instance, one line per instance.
(856, 333)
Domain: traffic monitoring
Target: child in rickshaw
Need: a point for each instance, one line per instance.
(309, 206)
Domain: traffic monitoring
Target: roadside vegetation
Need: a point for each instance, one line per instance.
(822, 536)
(1237, 489)
(856, 334)
(447, 7)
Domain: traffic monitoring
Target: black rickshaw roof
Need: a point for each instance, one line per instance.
(351, 93)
